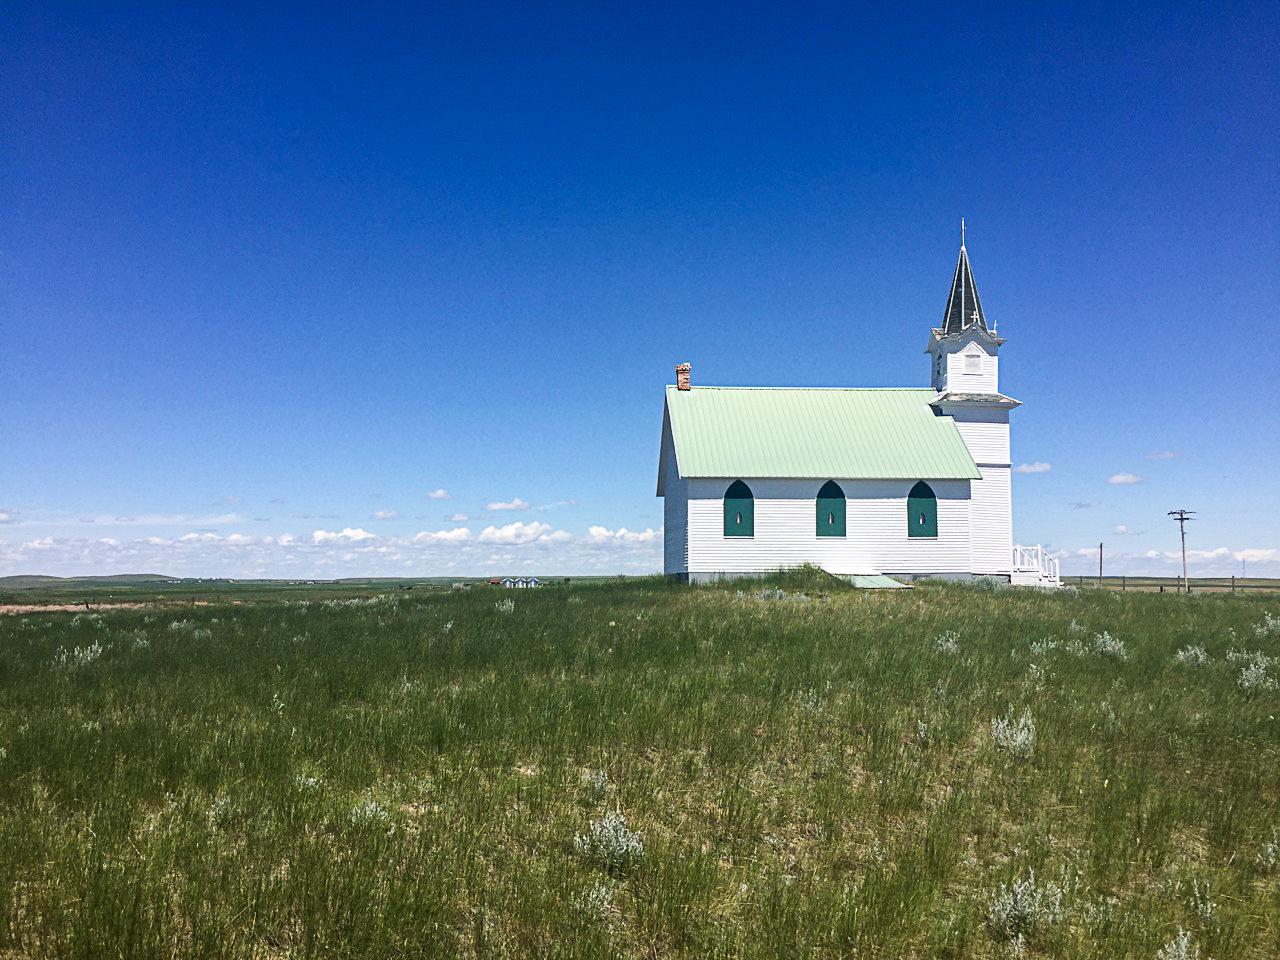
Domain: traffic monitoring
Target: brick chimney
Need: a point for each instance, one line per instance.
(682, 376)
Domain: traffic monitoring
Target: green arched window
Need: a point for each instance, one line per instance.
(739, 511)
(922, 511)
(830, 515)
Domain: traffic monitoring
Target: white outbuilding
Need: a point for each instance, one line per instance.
(908, 482)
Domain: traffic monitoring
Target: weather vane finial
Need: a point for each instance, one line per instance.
(962, 231)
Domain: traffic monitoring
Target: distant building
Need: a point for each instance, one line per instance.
(909, 482)
(518, 583)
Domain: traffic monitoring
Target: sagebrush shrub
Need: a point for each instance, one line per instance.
(1254, 677)
(369, 812)
(947, 643)
(1193, 655)
(1269, 626)
(595, 902)
(612, 844)
(79, 656)
(1105, 645)
(1269, 858)
(1016, 737)
(1022, 905)
(1179, 948)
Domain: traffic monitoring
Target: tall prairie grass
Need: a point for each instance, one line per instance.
(776, 769)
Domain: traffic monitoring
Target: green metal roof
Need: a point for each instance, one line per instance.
(817, 433)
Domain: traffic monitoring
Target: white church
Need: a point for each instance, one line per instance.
(877, 484)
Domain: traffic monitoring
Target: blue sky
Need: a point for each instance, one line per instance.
(322, 291)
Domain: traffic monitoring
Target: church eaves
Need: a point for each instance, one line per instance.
(964, 309)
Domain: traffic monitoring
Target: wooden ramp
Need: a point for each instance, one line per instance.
(876, 581)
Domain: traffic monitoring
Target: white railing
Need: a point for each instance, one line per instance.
(1034, 565)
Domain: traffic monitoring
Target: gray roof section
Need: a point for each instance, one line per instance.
(964, 309)
(995, 399)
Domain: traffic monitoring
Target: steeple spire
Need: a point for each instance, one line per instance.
(964, 309)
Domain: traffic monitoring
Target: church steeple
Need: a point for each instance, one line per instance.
(963, 350)
(964, 309)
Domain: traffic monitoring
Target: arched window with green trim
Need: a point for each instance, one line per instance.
(830, 515)
(739, 511)
(922, 511)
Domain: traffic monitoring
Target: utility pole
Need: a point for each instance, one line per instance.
(1099, 565)
(1183, 516)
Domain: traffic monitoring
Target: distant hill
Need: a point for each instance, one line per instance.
(33, 582)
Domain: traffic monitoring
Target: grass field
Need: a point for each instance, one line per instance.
(776, 769)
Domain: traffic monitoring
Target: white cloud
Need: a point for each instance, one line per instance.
(1038, 467)
(572, 502)
(461, 551)
(348, 534)
(1256, 555)
(458, 518)
(441, 494)
(1164, 455)
(386, 514)
(1218, 562)
(1217, 554)
(516, 533)
(6, 516)
(167, 520)
(1086, 504)
(1172, 556)
(444, 536)
(621, 535)
(515, 504)
(1121, 530)
(1124, 478)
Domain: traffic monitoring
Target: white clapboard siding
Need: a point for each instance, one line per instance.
(674, 491)
(991, 529)
(986, 434)
(675, 522)
(876, 538)
(972, 370)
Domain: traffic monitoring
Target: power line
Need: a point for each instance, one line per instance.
(1183, 516)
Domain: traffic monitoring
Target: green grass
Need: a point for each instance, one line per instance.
(810, 771)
